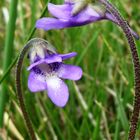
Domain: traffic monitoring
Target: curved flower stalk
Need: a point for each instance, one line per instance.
(136, 62)
(19, 89)
(76, 13)
(128, 33)
(46, 69)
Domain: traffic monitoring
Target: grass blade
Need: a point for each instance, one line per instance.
(8, 53)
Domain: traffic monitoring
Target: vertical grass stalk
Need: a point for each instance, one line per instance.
(135, 58)
(8, 54)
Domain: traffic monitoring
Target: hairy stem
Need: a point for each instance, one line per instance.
(19, 88)
(38, 42)
(135, 57)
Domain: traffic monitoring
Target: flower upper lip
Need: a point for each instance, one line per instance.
(52, 59)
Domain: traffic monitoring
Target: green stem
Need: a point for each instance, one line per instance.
(8, 70)
(8, 54)
(33, 14)
(16, 58)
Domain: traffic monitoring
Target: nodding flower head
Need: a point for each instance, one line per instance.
(76, 13)
(47, 71)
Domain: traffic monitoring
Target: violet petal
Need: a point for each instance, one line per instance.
(70, 72)
(51, 23)
(64, 12)
(60, 11)
(86, 16)
(64, 19)
(36, 82)
(50, 59)
(68, 55)
(53, 58)
(57, 91)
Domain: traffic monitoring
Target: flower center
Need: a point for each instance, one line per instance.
(38, 71)
(54, 66)
(47, 70)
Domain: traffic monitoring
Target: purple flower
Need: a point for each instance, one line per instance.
(64, 18)
(46, 71)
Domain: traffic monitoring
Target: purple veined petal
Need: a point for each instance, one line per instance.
(60, 11)
(68, 55)
(57, 91)
(70, 72)
(65, 12)
(86, 16)
(36, 63)
(53, 58)
(36, 82)
(109, 16)
(52, 23)
(49, 60)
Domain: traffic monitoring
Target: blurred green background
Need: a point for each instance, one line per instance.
(100, 104)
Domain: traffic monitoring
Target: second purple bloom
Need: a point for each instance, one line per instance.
(63, 18)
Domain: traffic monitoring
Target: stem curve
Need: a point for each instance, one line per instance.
(136, 63)
(19, 87)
